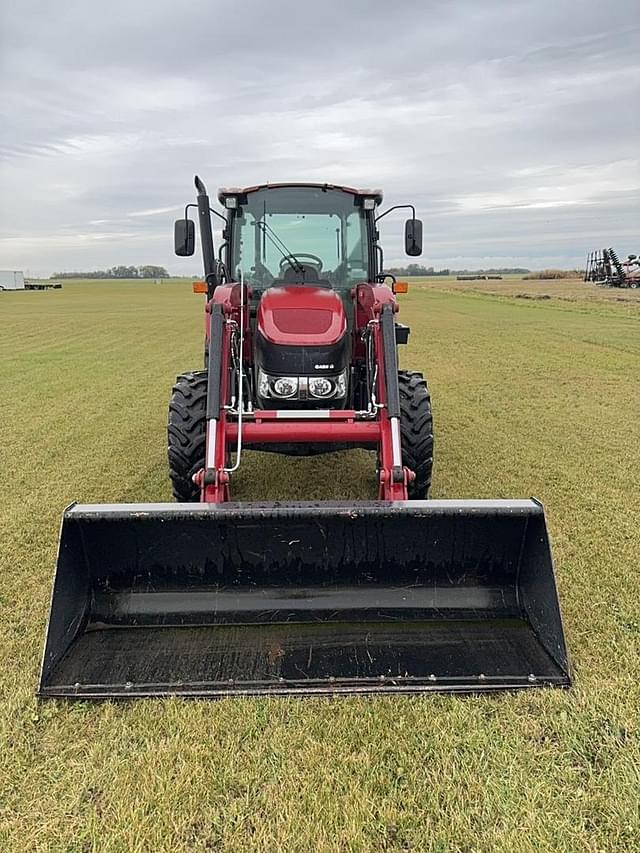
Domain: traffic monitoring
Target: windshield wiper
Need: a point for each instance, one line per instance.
(280, 245)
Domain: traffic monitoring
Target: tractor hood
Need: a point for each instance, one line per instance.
(301, 316)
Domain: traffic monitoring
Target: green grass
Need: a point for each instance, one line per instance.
(530, 397)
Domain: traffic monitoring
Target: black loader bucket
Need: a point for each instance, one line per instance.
(204, 600)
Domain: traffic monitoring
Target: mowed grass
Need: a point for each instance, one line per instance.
(564, 290)
(530, 396)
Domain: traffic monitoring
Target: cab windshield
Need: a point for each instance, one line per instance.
(311, 235)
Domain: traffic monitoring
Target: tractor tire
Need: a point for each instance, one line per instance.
(186, 434)
(416, 431)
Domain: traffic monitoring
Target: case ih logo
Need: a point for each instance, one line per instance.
(323, 366)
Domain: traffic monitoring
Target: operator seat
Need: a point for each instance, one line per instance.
(310, 276)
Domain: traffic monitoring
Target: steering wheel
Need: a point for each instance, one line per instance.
(294, 260)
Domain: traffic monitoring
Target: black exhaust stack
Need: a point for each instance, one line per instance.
(206, 237)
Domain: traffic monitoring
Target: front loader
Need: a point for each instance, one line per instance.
(208, 597)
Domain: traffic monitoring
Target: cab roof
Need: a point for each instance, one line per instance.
(224, 192)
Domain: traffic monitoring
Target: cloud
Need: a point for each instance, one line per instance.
(154, 211)
(512, 126)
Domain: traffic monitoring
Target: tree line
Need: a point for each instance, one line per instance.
(145, 271)
(418, 269)
(494, 271)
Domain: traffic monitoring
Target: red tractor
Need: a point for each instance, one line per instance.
(206, 597)
(300, 347)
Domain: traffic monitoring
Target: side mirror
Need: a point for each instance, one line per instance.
(413, 237)
(184, 237)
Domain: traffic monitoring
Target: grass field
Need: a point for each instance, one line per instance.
(531, 396)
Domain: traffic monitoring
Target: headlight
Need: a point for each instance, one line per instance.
(263, 384)
(328, 386)
(302, 387)
(286, 386)
(320, 386)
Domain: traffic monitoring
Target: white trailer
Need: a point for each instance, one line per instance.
(11, 280)
(14, 280)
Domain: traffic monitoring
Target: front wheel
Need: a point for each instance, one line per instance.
(186, 434)
(416, 431)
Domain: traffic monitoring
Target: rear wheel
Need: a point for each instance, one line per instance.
(416, 431)
(186, 434)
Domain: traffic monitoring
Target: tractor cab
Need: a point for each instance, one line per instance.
(300, 235)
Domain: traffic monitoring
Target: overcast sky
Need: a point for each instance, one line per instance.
(513, 126)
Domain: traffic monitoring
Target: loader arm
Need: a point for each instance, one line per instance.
(377, 428)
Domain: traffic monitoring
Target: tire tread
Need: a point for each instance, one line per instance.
(416, 431)
(186, 434)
